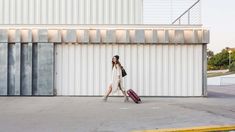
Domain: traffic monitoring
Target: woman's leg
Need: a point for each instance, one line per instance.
(108, 92)
(124, 93)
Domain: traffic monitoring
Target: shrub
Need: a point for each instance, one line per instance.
(211, 67)
(232, 67)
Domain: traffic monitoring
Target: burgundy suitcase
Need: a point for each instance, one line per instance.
(133, 96)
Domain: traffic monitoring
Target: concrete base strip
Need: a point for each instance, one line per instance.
(194, 129)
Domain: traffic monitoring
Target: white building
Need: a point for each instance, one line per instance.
(71, 12)
(44, 52)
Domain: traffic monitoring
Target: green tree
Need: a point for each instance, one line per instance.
(220, 60)
(209, 54)
(232, 67)
(233, 56)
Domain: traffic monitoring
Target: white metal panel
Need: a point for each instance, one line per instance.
(178, 69)
(96, 69)
(90, 66)
(198, 63)
(152, 70)
(71, 59)
(159, 66)
(127, 65)
(84, 70)
(184, 66)
(103, 68)
(58, 68)
(164, 69)
(171, 69)
(65, 69)
(71, 11)
(139, 73)
(146, 89)
(190, 69)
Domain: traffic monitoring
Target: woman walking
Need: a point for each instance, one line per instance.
(116, 82)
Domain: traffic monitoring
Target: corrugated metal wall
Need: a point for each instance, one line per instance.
(153, 70)
(71, 11)
(159, 62)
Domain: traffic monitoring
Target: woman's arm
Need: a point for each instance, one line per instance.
(119, 72)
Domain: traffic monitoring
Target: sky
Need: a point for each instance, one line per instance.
(219, 17)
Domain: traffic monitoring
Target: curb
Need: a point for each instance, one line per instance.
(194, 129)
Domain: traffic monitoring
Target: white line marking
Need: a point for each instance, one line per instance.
(124, 108)
(155, 108)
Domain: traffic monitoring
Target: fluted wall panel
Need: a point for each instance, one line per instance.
(159, 62)
(152, 70)
(71, 11)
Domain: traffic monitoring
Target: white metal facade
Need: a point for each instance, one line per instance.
(169, 61)
(152, 70)
(71, 11)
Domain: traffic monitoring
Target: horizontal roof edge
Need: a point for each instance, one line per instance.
(155, 36)
(98, 26)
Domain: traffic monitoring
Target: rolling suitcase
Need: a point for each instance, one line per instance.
(134, 96)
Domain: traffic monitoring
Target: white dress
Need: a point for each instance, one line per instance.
(116, 71)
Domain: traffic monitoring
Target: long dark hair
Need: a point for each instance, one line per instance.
(117, 62)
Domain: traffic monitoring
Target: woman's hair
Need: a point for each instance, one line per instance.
(117, 62)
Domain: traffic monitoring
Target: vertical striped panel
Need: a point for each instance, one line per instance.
(159, 66)
(11, 69)
(139, 73)
(110, 51)
(70, 12)
(122, 56)
(102, 69)
(32, 13)
(134, 67)
(147, 72)
(96, 69)
(14, 68)
(190, 69)
(178, 69)
(184, 66)
(64, 69)
(26, 69)
(77, 72)
(58, 69)
(172, 70)
(17, 68)
(90, 66)
(202, 70)
(84, 69)
(50, 8)
(152, 70)
(165, 71)
(71, 76)
(45, 69)
(3, 68)
(127, 65)
(35, 67)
